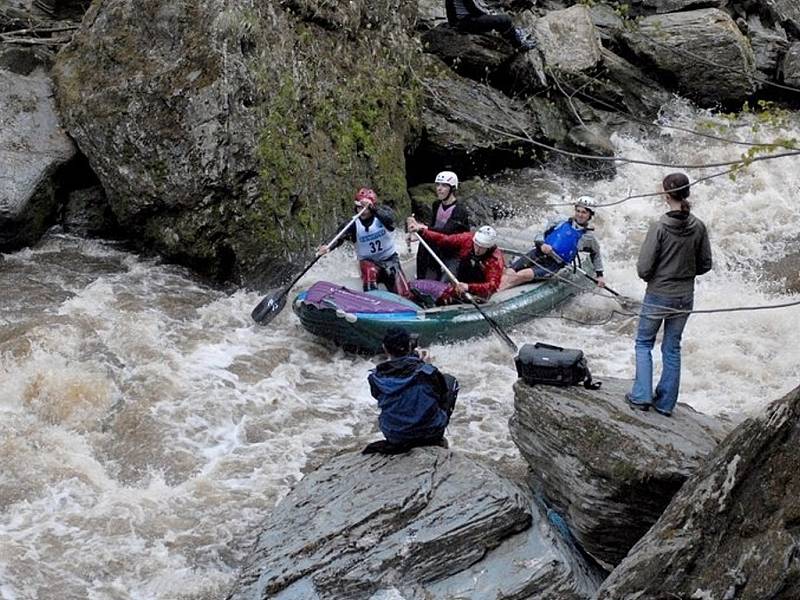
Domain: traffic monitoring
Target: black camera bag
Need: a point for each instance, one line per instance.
(552, 365)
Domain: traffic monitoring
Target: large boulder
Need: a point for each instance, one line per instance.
(430, 13)
(607, 21)
(769, 45)
(476, 56)
(24, 60)
(230, 136)
(86, 213)
(618, 86)
(428, 524)
(610, 471)
(791, 66)
(34, 12)
(625, 84)
(568, 40)
(667, 6)
(488, 58)
(732, 530)
(701, 51)
(784, 12)
(33, 146)
(474, 128)
(786, 269)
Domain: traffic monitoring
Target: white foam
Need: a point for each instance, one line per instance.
(148, 425)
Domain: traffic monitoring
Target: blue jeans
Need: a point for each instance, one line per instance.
(650, 320)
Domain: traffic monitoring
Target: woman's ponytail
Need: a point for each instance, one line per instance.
(677, 186)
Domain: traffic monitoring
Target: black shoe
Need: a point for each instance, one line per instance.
(385, 447)
(442, 443)
(666, 413)
(522, 39)
(636, 405)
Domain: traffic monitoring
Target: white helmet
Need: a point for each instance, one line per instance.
(485, 237)
(447, 177)
(587, 202)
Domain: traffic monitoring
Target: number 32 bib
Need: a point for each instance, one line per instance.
(375, 244)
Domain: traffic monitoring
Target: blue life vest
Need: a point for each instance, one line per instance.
(565, 239)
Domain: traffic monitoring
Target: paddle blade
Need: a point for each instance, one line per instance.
(269, 307)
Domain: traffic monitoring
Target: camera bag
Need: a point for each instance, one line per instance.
(552, 365)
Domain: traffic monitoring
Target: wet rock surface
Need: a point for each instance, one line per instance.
(430, 523)
(732, 530)
(87, 214)
(569, 40)
(228, 136)
(33, 146)
(786, 270)
(791, 66)
(473, 127)
(701, 51)
(610, 470)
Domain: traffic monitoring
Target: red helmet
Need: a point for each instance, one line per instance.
(367, 195)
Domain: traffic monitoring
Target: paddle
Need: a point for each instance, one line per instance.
(584, 273)
(492, 323)
(274, 302)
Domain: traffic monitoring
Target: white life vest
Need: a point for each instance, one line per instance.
(375, 244)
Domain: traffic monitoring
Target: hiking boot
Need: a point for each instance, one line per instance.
(636, 405)
(522, 39)
(666, 413)
(442, 443)
(385, 447)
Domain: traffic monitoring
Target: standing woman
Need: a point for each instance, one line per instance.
(674, 252)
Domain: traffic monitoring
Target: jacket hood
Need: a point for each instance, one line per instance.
(395, 374)
(679, 223)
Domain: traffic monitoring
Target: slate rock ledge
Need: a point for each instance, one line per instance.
(733, 530)
(430, 523)
(609, 470)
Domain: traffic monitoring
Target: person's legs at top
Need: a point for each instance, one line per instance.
(369, 275)
(502, 24)
(650, 320)
(666, 394)
(483, 23)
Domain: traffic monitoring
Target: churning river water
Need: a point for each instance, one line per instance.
(147, 426)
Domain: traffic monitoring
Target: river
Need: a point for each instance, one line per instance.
(147, 426)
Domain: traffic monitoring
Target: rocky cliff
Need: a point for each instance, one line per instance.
(230, 135)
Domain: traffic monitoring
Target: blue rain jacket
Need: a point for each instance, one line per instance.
(409, 392)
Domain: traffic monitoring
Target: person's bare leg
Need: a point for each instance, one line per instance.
(512, 278)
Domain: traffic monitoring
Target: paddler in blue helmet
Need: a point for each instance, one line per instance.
(558, 245)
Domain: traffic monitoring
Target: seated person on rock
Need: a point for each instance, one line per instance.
(372, 234)
(448, 216)
(479, 269)
(472, 16)
(558, 245)
(414, 397)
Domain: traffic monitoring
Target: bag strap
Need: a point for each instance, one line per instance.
(548, 346)
(589, 384)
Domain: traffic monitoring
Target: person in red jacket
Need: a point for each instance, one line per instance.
(480, 261)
